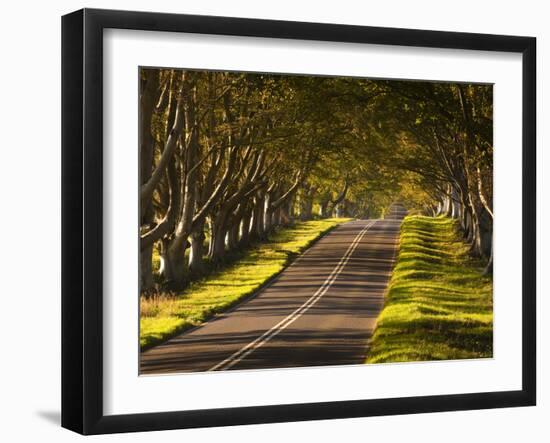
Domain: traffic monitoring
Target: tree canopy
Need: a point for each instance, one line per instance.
(226, 157)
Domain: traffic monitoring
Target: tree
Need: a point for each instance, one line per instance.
(226, 158)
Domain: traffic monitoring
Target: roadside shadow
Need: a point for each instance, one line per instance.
(54, 417)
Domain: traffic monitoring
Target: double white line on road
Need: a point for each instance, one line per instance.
(291, 318)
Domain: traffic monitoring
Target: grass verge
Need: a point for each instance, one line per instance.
(164, 316)
(439, 306)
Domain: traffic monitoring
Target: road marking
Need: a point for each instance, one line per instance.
(291, 318)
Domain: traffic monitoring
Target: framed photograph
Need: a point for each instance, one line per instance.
(269, 221)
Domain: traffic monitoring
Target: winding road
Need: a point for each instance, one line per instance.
(320, 311)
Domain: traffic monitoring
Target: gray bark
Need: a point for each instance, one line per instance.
(147, 189)
(196, 255)
(245, 229)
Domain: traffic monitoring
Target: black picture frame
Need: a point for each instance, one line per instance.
(82, 218)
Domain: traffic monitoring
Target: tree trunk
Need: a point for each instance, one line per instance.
(485, 232)
(323, 208)
(196, 256)
(439, 208)
(217, 241)
(173, 266)
(455, 211)
(288, 214)
(306, 208)
(276, 217)
(268, 220)
(258, 221)
(337, 203)
(147, 148)
(285, 218)
(147, 141)
(146, 256)
(245, 229)
(447, 202)
(146, 269)
(468, 229)
(233, 235)
(476, 245)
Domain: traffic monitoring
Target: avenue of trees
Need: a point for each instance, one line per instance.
(225, 158)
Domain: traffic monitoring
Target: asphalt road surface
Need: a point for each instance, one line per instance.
(319, 311)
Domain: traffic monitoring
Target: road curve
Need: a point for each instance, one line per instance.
(319, 311)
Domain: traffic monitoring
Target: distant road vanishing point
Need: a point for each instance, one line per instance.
(320, 311)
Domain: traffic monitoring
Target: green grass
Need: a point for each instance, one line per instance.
(438, 306)
(166, 315)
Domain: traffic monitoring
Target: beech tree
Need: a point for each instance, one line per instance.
(444, 136)
(226, 158)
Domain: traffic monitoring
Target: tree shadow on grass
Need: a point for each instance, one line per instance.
(439, 305)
